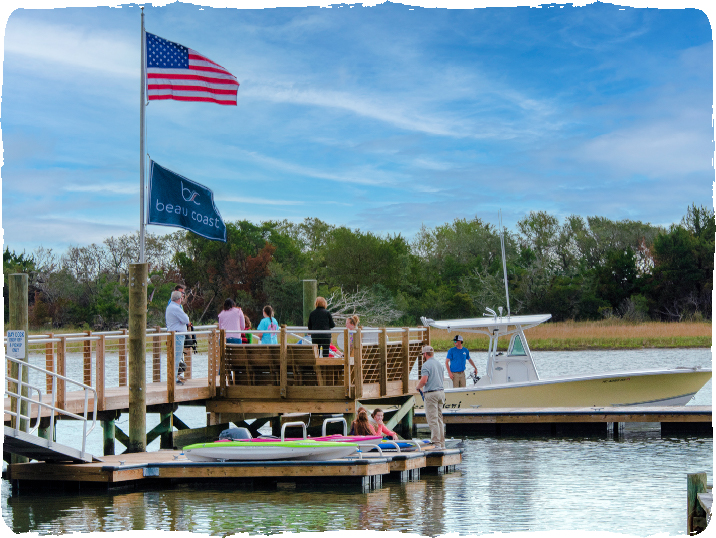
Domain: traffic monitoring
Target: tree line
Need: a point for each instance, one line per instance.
(579, 268)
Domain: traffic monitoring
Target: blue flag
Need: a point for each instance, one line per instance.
(177, 201)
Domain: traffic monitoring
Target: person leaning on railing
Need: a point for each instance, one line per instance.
(321, 320)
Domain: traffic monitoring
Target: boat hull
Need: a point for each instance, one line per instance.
(268, 451)
(646, 388)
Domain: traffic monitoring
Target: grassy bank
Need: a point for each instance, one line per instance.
(607, 334)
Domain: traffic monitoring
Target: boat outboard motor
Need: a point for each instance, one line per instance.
(235, 434)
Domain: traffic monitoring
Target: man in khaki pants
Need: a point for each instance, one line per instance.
(431, 378)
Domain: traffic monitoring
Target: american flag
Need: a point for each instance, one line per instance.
(180, 73)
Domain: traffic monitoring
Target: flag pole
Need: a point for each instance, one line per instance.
(141, 145)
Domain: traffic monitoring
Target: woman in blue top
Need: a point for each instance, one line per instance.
(269, 323)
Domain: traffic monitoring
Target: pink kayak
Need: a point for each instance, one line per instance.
(362, 439)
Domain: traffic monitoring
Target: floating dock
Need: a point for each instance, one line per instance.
(171, 466)
(676, 420)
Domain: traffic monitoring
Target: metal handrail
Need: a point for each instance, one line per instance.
(335, 419)
(53, 407)
(285, 425)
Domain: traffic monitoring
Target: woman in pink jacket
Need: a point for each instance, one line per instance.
(231, 318)
(380, 428)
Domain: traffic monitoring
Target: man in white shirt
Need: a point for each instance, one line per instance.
(177, 321)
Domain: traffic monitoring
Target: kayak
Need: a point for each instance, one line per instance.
(249, 450)
(336, 438)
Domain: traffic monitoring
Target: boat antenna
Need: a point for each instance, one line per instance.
(504, 261)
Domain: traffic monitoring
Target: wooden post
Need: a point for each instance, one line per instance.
(156, 357)
(108, 437)
(358, 362)
(211, 368)
(137, 357)
(99, 373)
(44, 430)
(166, 439)
(405, 356)
(347, 362)
(310, 292)
(18, 321)
(383, 361)
(222, 362)
(87, 354)
(171, 373)
(61, 396)
(695, 514)
(283, 363)
(49, 365)
(123, 360)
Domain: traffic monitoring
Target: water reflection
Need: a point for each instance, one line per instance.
(502, 485)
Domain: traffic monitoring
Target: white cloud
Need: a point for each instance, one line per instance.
(66, 47)
(108, 188)
(259, 201)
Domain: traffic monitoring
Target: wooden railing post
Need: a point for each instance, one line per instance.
(405, 356)
(347, 362)
(156, 357)
(49, 365)
(61, 396)
(383, 361)
(222, 362)
(123, 360)
(171, 374)
(211, 367)
(87, 353)
(283, 361)
(99, 372)
(358, 362)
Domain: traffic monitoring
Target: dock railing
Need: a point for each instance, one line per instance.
(367, 363)
(375, 362)
(21, 395)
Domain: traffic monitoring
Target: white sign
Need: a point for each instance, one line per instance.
(16, 344)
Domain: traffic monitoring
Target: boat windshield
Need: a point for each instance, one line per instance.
(516, 347)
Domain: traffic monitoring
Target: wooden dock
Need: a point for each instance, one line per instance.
(567, 420)
(171, 466)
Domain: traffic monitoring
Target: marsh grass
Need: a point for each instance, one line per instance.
(606, 334)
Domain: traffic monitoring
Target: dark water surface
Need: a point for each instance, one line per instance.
(635, 485)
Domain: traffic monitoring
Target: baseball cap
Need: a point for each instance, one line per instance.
(457, 338)
(428, 349)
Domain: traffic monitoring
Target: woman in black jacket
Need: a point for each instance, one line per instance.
(320, 320)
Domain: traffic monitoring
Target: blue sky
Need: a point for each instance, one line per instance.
(379, 117)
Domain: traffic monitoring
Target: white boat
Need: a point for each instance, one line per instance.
(511, 379)
(250, 450)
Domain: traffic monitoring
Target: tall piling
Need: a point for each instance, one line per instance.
(137, 357)
(310, 292)
(18, 321)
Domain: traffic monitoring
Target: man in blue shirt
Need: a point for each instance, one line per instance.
(455, 363)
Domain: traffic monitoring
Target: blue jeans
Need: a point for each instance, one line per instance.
(178, 352)
(233, 340)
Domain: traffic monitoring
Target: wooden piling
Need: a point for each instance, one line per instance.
(405, 361)
(283, 362)
(137, 357)
(310, 292)
(87, 359)
(695, 514)
(18, 321)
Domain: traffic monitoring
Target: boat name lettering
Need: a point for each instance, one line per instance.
(616, 379)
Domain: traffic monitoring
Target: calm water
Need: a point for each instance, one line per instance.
(635, 484)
